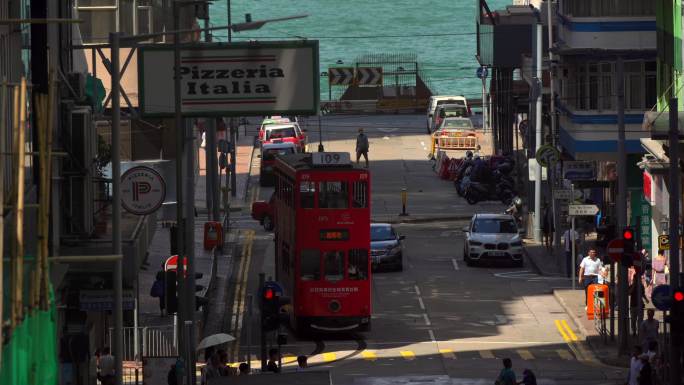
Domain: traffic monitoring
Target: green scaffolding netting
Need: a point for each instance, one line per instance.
(30, 356)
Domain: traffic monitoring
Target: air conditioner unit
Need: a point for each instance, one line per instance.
(80, 142)
(77, 86)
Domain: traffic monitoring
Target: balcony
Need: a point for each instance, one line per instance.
(585, 34)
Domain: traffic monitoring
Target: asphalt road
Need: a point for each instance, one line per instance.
(438, 321)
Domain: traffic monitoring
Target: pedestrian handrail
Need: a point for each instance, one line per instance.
(600, 317)
(155, 341)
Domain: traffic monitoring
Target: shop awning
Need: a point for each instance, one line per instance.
(658, 123)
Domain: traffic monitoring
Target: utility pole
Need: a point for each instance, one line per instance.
(538, 130)
(621, 207)
(554, 177)
(675, 176)
(233, 148)
(190, 251)
(116, 207)
(212, 176)
(484, 101)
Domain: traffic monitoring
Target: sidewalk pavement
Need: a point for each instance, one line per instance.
(552, 264)
(211, 321)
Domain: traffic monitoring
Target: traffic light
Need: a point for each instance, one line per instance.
(170, 292)
(629, 241)
(677, 315)
(271, 303)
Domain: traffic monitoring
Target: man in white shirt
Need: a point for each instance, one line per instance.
(568, 236)
(590, 269)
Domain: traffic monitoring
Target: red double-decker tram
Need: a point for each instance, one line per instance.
(322, 241)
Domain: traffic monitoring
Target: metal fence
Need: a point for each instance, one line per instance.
(156, 341)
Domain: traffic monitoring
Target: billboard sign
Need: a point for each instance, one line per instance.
(240, 79)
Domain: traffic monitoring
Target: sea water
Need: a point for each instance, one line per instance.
(441, 33)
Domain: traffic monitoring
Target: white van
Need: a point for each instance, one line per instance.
(442, 99)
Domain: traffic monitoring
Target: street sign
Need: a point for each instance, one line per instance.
(567, 194)
(661, 297)
(615, 249)
(579, 170)
(664, 242)
(482, 72)
(369, 76)
(582, 210)
(143, 190)
(340, 76)
(171, 263)
(547, 155)
(239, 79)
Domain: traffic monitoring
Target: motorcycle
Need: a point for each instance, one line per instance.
(515, 209)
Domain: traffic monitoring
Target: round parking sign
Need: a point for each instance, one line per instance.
(142, 190)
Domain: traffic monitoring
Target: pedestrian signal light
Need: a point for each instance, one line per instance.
(628, 234)
(268, 293)
(678, 296)
(629, 240)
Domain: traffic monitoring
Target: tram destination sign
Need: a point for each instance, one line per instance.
(240, 79)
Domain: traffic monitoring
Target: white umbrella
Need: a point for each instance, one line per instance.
(215, 339)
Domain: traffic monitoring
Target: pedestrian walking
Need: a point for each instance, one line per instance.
(648, 330)
(635, 365)
(646, 372)
(158, 290)
(637, 300)
(528, 378)
(590, 269)
(547, 226)
(211, 370)
(107, 367)
(94, 364)
(272, 364)
(302, 363)
(224, 369)
(568, 236)
(659, 269)
(507, 375)
(361, 147)
(171, 376)
(243, 369)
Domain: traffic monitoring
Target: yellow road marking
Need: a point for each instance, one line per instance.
(486, 354)
(571, 334)
(564, 354)
(407, 354)
(447, 353)
(562, 332)
(525, 354)
(368, 355)
(241, 288)
(328, 357)
(289, 358)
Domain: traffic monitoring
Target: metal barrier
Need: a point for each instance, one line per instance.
(600, 317)
(440, 142)
(156, 341)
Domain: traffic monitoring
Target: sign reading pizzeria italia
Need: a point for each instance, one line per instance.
(240, 79)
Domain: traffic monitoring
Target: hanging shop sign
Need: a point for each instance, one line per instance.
(240, 79)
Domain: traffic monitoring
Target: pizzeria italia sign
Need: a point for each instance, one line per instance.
(240, 79)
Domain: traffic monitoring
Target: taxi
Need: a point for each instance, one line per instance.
(285, 132)
(271, 120)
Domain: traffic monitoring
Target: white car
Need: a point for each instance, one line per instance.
(438, 100)
(493, 237)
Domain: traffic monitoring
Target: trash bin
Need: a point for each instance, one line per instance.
(213, 235)
(598, 295)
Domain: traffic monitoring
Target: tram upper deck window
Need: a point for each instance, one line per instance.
(333, 195)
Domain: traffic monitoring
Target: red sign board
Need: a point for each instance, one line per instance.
(615, 249)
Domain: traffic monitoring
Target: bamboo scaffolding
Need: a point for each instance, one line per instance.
(18, 249)
(13, 260)
(3, 120)
(46, 193)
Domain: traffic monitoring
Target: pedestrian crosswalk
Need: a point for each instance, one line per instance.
(447, 354)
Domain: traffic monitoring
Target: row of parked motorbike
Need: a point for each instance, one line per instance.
(477, 179)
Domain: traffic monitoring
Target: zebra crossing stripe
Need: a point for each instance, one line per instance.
(564, 354)
(447, 353)
(368, 355)
(525, 354)
(487, 354)
(329, 357)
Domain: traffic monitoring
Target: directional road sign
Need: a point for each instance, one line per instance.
(582, 210)
(579, 170)
(340, 76)
(661, 297)
(482, 72)
(615, 249)
(664, 242)
(567, 194)
(547, 155)
(369, 76)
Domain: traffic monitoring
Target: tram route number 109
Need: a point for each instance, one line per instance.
(331, 158)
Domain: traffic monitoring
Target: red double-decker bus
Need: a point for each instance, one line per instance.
(322, 241)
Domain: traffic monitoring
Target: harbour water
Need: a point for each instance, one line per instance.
(441, 33)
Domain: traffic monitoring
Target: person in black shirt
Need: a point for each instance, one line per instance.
(272, 365)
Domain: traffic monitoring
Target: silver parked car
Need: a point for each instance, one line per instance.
(386, 248)
(493, 237)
